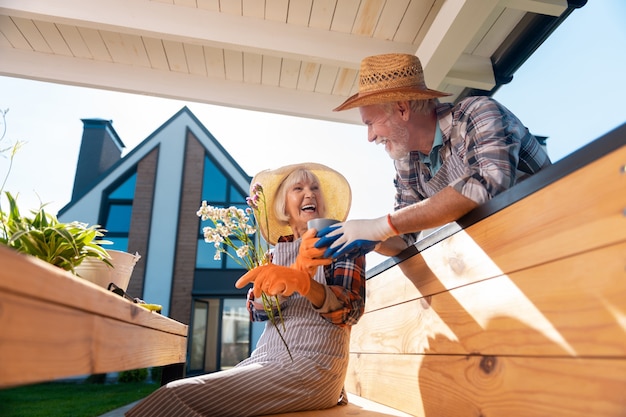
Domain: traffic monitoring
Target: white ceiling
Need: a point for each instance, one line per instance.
(296, 57)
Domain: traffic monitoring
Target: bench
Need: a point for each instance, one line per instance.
(518, 309)
(55, 325)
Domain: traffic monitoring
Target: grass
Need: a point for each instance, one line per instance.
(70, 399)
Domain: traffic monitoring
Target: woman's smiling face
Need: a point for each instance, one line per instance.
(304, 201)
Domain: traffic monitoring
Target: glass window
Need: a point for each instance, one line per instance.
(213, 183)
(118, 219)
(126, 191)
(205, 256)
(119, 243)
(235, 332)
(230, 262)
(235, 195)
(218, 191)
(198, 337)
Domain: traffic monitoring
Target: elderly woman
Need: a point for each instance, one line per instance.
(320, 300)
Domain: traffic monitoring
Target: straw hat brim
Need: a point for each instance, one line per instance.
(389, 95)
(335, 191)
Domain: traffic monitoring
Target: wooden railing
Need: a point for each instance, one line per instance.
(55, 325)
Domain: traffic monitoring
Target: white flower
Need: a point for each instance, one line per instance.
(242, 252)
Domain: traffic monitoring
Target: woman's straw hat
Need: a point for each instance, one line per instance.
(388, 78)
(335, 190)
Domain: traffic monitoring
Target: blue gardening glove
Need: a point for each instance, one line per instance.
(354, 237)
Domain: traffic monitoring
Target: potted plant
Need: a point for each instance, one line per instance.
(65, 245)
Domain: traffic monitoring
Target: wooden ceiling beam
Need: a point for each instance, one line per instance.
(454, 27)
(166, 84)
(547, 7)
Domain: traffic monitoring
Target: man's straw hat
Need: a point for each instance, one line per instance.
(388, 78)
(335, 191)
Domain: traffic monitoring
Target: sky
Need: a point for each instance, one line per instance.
(571, 90)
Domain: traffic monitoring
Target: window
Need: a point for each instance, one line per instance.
(117, 212)
(219, 191)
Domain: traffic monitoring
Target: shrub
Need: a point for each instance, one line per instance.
(156, 373)
(135, 375)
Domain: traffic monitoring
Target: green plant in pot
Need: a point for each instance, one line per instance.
(65, 245)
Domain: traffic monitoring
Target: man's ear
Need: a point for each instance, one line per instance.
(404, 109)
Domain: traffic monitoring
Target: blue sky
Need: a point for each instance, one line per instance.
(571, 90)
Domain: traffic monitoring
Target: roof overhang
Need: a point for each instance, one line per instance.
(294, 57)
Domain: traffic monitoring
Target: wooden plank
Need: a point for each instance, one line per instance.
(390, 19)
(231, 7)
(213, 5)
(95, 44)
(4, 42)
(276, 10)
(346, 80)
(289, 71)
(233, 64)
(75, 42)
(322, 14)
(253, 8)
(344, 16)
(413, 20)
(569, 307)
(443, 385)
(498, 244)
(308, 76)
(194, 55)
(299, 12)
(367, 17)
(126, 48)
(30, 277)
(214, 58)
(53, 37)
(42, 341)
(326, 79)
(56, 325)
(13, 34)
(29, 30)
(357, 406)
(252, 65)
(175, 56)
(156, 53)
(136, 50)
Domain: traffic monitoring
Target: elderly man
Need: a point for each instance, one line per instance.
(448, 158)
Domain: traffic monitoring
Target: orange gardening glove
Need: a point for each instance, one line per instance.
(310, 257)
(276, 280)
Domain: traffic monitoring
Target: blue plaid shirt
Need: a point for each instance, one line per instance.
(486, 150)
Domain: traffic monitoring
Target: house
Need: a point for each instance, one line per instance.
(147, 202)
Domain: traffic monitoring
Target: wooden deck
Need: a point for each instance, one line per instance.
(54, 325)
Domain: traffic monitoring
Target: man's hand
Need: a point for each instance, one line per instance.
(310, 257)
(276, 280)
(354, 237)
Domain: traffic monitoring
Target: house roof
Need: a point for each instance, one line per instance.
(169, 136)
(295, 57)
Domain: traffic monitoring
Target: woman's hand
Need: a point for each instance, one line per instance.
(276, 280)
(309, 257)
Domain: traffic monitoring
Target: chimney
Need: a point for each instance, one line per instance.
(100, 149)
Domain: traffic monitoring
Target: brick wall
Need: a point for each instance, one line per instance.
(188, 223)
(140, 219)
